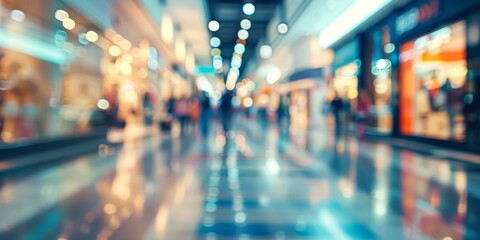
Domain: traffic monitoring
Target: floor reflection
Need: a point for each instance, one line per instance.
(254, 181)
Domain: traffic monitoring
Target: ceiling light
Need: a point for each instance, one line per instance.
(249, 8)
(92, 36)
(389, 48)
(17, 15)
(114, 51)
(243, 34)
(274, 75)
(266, 51)
(215, 52)
(217, 64)
(61, 15)
(215, 42)
(82, 38)
(239, 49)
(282, 28)
(68, 23)
(245, 24)
(213, 26)
(236, 61)
(217, 57)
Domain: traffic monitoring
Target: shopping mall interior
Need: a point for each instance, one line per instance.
(239, 119)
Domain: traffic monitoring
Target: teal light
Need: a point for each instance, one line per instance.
(204, 70)
(32, 46)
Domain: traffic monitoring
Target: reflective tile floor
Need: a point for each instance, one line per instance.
(255, 182)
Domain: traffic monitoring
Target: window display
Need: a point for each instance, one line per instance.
(432, 79)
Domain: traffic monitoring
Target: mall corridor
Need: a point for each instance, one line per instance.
(254, 182)
(239, 119)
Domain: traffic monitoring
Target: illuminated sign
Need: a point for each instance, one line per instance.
(415, 16)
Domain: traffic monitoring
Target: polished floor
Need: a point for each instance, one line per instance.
(258, 181)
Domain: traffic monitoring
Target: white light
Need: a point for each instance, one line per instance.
(272, 166)
(114, 51)
(243, 34)
(239, 48)
(389, 48)
(103, 104)
(217, 58)
(247, 102)
(236, 62)
(240, 217)
(92, 36)
(266, 51)
(17, 15)
(357, 13)
(381, 64)
(204, 84)
(213, 26)
(248, 9)
(245, 24)
(68, 23)
(274, 75)
(61, 15)
(217, 64)
(215, 42)
(282, 28)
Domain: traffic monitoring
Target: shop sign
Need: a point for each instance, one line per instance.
(416, 16)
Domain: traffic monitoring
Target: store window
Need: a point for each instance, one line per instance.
(378, 80)
(432, 81)
(50, 79)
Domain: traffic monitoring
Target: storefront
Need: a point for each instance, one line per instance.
(48, 70)
(377, 79)
(344, 78)
(436, 83)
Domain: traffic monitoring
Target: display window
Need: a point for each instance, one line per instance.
(378, 81)
(433, 70)
(345, 83)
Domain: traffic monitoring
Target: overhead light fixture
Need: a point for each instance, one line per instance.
(273, 75)
(215, 52)
(266, 51)
(68, 23)
(92, 36)
(245, 24)
(61, 15)
(239, 48)
(243, 34)
(282, 28)
(215, 42)
(17, 15)
(82, 38)
(213, 26)
(248, 9)
(114, 51)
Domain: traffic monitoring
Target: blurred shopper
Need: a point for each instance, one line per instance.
(337, 107)
(99, 118)
(206, 114)
(2, 120)
(148, 109)
(195, 111)
(362, 112)
(226, 111)
(182, 113)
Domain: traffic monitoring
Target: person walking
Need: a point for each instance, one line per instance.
(206, 114)
(337, 106)
(226, 111)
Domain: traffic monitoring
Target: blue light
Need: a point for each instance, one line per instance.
(32, 46)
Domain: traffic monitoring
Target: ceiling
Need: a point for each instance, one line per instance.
(193, 28)
(229, 14)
